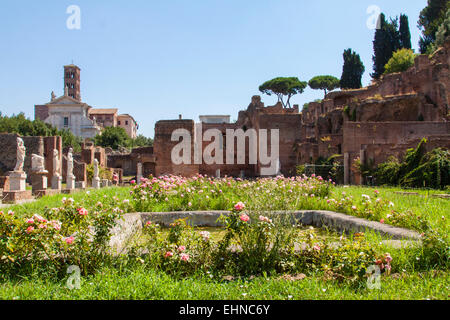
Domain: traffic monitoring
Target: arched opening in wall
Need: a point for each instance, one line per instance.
(244, 128)
(339, 147)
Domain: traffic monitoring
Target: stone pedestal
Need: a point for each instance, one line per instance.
(346, 169)
(39, 181)
(17, 180)
(139, 173)
(96, 183)
(56, 182)
(362, 158)
(46, 192)
(70, 183)
(80, 185)
(105, 183)
(16, 197)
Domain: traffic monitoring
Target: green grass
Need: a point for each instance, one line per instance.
(141, 283)
(436, 210)
(430, 207)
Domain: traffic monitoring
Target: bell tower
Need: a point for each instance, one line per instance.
(72, 81)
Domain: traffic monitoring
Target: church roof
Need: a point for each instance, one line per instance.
(65, 99)
(103, 111)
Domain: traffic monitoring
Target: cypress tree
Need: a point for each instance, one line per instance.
(352, 70)
(405, 34)
(385, 43)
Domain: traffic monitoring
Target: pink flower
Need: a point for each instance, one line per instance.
(388, 258)
(239, 206)
(39, 218)
(205, 235)
(189, 204)
(316, 247)
(168, 254)
(42, 226)
(69, 240)
(82, 212)
(265, 219)
(181, 248)
(133, 181)
(184, 257)
(30, 221)
(244, 217)
(376, 192)
(29, 229)
(354, 208)
(56, 224)
(148, 223)
(382, 220)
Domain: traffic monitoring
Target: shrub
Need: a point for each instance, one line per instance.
(62, 236)
(103, 173)
(387, 173)
(433, 171)
(418, 169)
(401, 61)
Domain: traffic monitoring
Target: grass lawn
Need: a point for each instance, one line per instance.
(143, 281)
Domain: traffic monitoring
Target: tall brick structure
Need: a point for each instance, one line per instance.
(72, 81)
(373, 123)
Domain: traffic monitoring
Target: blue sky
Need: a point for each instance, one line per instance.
(158, 59)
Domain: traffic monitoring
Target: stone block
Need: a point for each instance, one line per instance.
(39, 181)
(80, 185)
(96, 183)
(70, 183)
(56, 182)
(17, 196)
(47, 192)
(17, 180)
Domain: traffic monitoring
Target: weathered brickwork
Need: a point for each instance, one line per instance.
(383, 119)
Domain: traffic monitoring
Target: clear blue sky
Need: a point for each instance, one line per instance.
(157, 59)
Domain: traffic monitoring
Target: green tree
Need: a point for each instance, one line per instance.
(113, 137)
(430, 18)
(442, 33)
(283, 86)
(326, 83)
(352, 70)
(400, 61)
(386, 42)
(141, 141)
(25, 127)
(405, 34)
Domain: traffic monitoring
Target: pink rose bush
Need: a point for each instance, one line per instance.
(63, 235)
(202, 192)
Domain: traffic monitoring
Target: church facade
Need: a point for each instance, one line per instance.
(68, 112)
